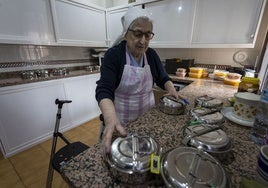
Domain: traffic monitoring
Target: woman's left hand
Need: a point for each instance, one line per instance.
(172, 91)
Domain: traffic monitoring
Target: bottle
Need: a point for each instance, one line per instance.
(249, 84)
(259, 131)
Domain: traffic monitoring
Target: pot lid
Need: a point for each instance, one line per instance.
(209, 102)
(172, 102)
(190, 167)
(207, 115)
(132, 152)
(214, 118)
(215, 141)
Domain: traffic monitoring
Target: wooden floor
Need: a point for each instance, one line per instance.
(29, 168)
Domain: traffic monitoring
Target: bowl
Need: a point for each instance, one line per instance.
(264, 153)
(231, 100)
(245, 105)
(262, 167)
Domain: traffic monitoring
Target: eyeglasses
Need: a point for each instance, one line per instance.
(139, 34)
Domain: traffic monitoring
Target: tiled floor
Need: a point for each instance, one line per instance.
(29, 168)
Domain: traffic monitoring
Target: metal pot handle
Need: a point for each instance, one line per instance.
(135, 151)
(207, 129)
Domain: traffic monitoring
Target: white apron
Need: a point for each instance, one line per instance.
(134, 95)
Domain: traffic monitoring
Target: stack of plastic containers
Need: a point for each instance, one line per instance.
(196, 72)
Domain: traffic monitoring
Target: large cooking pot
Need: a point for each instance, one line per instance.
(129, 159)
(171, 106)
(191, 167)
(210, 138)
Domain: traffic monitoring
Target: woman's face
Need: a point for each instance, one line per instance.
(138, 37)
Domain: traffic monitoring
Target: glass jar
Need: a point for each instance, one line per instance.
(249, 84)
(259, 131)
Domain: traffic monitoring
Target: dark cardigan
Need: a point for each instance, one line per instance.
(112, 69)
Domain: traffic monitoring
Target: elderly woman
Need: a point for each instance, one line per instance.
(128, 73)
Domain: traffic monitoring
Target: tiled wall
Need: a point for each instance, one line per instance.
(18, 53)
(25, 53)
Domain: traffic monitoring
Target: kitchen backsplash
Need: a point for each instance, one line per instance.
(21, 53)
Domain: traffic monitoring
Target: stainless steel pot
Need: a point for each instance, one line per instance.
(208, 102)
(129, 160)
(191, 167)
(172, 106)
(207, 115)
(210, 138)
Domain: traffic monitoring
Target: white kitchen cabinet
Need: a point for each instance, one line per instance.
(82, 91)
(172, 27)
(198, 23)
(28, 111)
(173, 21)
(114, 25)
(78, 24)
(26, 22)
(229, 22)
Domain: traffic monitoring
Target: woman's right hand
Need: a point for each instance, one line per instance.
(110, 126)
(111, 122)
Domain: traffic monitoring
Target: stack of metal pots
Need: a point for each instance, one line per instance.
(194, 164)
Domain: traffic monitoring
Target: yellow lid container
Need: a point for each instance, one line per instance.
(195, 75)
(198, 70)
(231, 82)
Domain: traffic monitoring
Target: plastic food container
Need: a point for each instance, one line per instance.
(232, 82)
(197, 70)
(249, 84)
(233, 76)
(181, 70)
(195, 75)
(205, 74)
(180, 74)
(220, 75)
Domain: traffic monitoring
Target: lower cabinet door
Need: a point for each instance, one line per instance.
(28, 112)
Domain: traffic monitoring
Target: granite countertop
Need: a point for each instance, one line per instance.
(89, 169)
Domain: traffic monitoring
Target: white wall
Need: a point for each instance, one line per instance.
(220, 56)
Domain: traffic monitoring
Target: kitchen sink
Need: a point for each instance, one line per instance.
(158, 92)
(181, 84)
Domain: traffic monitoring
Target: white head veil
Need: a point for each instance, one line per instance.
(132, 14)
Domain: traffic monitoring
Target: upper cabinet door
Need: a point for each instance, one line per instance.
(26, 22)
(114, 25)
(78, 24)
(228, 22)
(173, 22)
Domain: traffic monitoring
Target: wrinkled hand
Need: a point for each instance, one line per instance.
(175, 94)
(110, 127)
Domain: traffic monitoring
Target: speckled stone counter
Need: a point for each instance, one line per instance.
(17, 80)
(89, 170)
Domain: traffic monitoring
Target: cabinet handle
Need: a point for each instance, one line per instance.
(252, 36)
